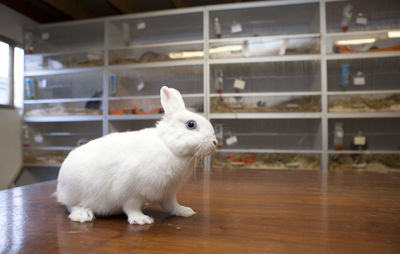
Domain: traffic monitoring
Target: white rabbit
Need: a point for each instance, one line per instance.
(121, 171)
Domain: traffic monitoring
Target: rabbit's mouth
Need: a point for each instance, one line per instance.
(205, 149)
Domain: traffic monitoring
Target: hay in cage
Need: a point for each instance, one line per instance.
(365, 104)
(303, 104)
(267, 161)
(360, 162)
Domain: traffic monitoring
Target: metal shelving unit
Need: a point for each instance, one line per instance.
(191, 35)
(265, 116)
(45, 119)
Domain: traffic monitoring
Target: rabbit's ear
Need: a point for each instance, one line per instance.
(171, 100)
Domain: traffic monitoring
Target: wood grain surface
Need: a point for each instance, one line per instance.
(238, 211)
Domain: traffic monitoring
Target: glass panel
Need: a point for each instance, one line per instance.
(139, 82)
(365, 162)
(266, 77)
(65, 38)
(363, 15)
(161, 29)
(64, 109)
(365, 134)
(364, 74)
(364, 103)
(372, 42)
(264, 47)
(274, 161)
(78, 85)
(268, 134)
(66, 134)
(4, 73)
(60, 61)
(156, 54)
(18, 77)
(149, 106)
(263, 104)
(259, 21)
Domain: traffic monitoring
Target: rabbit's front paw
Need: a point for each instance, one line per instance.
(140, 219)
(81, 214)
(183, 211)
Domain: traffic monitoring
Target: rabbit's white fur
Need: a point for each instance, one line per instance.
(121, 171)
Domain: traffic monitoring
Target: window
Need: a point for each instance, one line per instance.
(11, 74)
(18, 77)
(4, 73)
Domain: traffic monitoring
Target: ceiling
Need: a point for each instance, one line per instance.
(48, 11)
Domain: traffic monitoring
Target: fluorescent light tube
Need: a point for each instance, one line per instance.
(394, 34)
(356, 41)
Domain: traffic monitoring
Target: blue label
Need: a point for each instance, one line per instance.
(345, 74)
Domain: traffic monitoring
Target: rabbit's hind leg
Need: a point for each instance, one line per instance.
(133, 209)
(80, 214)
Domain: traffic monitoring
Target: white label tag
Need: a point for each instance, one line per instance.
(236, 28)
(38, 138)
(42, 83)
(239, 84)
(231, 140)
(361, 21)
(45, 36)
(359, 81)
(140, 25)
(140, 86)
(360, 140)
(282, 50)
(340, 134)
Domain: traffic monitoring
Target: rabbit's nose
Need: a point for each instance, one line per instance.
(215, 142)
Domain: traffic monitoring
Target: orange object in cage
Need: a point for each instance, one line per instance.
(250, 159)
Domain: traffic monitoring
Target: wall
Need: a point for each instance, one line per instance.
(11, 27)
(10, 146)
(12, 23)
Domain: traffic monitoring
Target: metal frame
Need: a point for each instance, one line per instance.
(192, 95)
(364, 92)
(155, 45)
(62, 100)
(364, 115)
(61, 71)
(363, 55)
(265, 94)
(364, 152)
(266, 59)
(206, 62)
(324, 86)
(265, 115)
(220, 7)
(301, 151)
(156, 64)
(206, 75)
(44, 119)
(355, 33)
(271, 37)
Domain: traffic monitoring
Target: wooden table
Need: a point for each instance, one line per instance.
(238, 211)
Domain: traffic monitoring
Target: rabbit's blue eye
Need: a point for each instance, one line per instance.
(191, 124)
